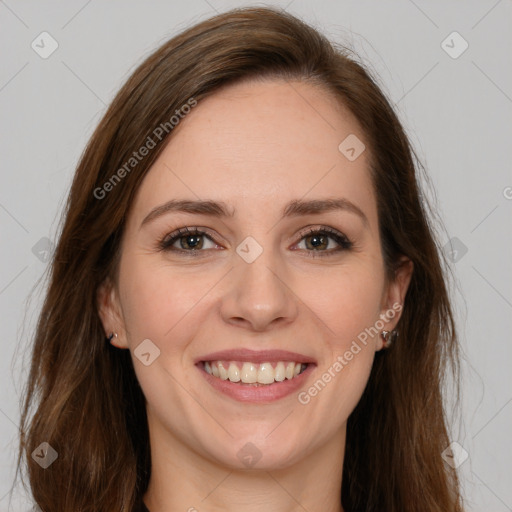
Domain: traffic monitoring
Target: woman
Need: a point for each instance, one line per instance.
(247, 306)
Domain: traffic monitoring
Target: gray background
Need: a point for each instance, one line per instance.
(456, 111)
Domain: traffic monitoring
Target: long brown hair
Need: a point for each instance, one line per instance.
(82, 396)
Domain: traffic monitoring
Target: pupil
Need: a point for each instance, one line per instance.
(192, 237)
(317, 240)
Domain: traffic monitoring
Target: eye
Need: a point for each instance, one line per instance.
(188, 240)
(191, 241)
(316, 241)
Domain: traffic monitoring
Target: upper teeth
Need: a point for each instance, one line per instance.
(249, 373)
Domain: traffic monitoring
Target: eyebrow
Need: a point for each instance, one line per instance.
(219, 209)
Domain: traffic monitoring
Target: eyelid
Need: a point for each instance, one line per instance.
(316, 228)
(183, 231)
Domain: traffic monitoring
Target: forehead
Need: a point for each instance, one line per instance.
(258, 145)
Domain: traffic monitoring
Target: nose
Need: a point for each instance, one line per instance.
(259, 295)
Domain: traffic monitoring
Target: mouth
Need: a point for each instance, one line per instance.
(255, 376)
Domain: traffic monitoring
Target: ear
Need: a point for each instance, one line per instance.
(110, 314)
(394, 295)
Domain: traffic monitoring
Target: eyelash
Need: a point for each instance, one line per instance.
(165, 244)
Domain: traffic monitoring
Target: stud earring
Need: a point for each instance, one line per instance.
(389, 337)
(112, 335)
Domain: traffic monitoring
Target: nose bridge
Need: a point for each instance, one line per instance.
(258, 292)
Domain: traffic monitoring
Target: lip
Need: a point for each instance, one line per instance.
(257, 394)
(266, 393)
(256, 356)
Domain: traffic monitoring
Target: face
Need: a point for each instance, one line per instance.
(279, 282)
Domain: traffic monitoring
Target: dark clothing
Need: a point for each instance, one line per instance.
(140, 507)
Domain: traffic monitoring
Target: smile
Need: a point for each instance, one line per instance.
(252, 373)
(257, 376)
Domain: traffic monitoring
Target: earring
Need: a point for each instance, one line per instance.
(389, 337)
(112, 335)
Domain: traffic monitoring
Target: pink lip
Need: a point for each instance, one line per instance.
(255, 356)
(257, 394)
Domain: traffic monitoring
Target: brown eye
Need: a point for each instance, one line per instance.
(187, 240)
(319, 240)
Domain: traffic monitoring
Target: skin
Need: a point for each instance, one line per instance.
(255, 146)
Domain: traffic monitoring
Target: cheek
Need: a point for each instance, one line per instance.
(347, 302)
(346, 299)
(160, 305)
(156, 300)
